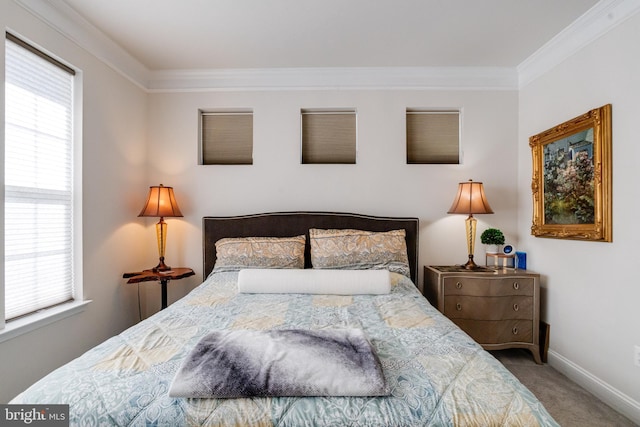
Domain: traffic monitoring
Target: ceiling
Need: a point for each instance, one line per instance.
(259, 34)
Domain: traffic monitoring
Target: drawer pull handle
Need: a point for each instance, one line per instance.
(516, 307)
(514, 330)
(459, 285)
(458, 307)
(516, 286)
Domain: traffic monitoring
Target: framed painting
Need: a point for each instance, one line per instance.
(571, 182)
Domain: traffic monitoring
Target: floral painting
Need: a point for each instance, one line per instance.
(572, 178)
(568, 180)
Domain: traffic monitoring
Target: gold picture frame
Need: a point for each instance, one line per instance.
(571, 182)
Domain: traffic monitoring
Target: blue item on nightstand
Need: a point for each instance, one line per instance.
(521, 260)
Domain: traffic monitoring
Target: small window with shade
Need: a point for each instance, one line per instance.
(433, 136)
(226, 137)
(329, 136)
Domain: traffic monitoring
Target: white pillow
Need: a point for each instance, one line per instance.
(312, 281)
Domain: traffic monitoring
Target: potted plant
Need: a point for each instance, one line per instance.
(493, 238)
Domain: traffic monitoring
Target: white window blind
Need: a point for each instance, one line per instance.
(38, 180)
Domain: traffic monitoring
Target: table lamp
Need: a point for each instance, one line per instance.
(470, 200)
(161, 202)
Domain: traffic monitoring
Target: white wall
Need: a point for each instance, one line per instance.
(381, 183)
(114, 175)
(591, 290)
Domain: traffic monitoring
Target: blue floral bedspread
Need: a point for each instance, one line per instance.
(436, 374)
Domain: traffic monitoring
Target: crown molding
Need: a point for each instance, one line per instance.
(597, 21)
(465, 78)
(62, 18)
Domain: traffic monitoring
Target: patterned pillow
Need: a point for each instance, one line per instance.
(233, 254)
(359, 250)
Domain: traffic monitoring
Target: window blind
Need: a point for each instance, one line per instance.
(38, 180)
(329, 136)
(226, 138)
(433, 136)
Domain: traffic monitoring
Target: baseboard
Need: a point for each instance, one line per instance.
(619, 401)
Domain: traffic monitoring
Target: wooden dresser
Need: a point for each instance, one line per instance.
(498, 308)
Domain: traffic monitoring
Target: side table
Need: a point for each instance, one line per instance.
(162, 276)
(498, 308)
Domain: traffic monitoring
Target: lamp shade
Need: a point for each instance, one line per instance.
(470, 199)
(161, 202)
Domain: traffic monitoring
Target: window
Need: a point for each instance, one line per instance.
(226, 138)
(39, 181)
(328, 136)
(433, 136)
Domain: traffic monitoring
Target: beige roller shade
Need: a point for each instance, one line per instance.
(328, 136)
(226, 138)
(433, 136)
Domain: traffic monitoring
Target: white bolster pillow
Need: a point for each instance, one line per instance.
(314, 281)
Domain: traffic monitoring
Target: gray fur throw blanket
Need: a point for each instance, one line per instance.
(291, 362)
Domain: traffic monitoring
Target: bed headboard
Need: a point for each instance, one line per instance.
(286, 224)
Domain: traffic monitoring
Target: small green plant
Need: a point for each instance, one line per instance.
(492, 236)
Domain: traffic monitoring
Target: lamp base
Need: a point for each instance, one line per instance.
(471, 265)
(161, 266)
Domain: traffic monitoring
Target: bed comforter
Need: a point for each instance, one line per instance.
(436, 374)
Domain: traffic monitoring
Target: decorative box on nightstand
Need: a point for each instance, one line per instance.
(498, 308)
(500, 260)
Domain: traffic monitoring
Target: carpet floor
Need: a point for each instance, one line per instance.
(568, 403)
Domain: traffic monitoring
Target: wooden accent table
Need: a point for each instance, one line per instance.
(498, 308)
(162, 276)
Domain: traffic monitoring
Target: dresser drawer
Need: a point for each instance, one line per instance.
(489, 308)
(489, 286)
(497, 331)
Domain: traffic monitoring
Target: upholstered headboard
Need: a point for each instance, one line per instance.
(286, 224)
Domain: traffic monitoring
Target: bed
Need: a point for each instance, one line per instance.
(431, 372)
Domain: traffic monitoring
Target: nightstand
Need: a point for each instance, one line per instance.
(498, 308)
(161, 276)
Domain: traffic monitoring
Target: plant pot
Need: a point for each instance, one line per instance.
(492, 249)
